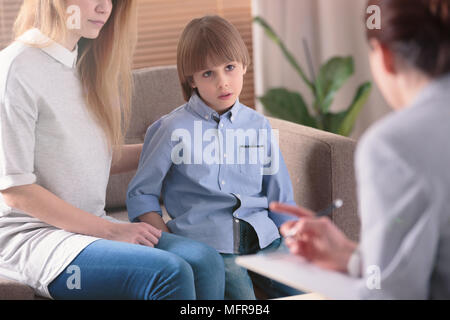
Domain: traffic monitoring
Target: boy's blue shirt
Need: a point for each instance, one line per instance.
(205, 191)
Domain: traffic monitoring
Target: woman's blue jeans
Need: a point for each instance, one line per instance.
(177, 268)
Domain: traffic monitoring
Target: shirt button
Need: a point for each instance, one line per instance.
(236, 220)
(221, 125)
(232, 118)
(223, 181)
(206, 117)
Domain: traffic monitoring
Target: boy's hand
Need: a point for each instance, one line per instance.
(155, 220)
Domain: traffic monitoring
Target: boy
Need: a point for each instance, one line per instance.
(214, 160)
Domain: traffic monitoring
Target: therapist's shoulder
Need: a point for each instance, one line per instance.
(383, 141)
(402, 137)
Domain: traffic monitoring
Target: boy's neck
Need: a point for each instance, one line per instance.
(224, 111)
(220, 112)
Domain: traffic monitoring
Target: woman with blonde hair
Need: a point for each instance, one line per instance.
(65, 88)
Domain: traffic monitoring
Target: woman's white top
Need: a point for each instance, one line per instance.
(49, 138)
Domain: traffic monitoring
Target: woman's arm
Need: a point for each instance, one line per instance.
(126, 158)
(47, 207)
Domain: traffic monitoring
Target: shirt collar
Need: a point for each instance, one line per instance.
(54, 49)
(207, 113)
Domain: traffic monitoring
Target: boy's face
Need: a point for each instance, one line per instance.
(220, 86)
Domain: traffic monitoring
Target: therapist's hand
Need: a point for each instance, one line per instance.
(316, 239)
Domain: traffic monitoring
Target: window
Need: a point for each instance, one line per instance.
(8, 13)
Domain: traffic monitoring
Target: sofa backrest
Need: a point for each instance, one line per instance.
(320, 164)
(157, 92)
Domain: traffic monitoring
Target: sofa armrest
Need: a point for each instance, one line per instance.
(320, 165)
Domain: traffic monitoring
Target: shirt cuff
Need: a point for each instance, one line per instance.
(354, 264)
(138, 205)
(15, 180)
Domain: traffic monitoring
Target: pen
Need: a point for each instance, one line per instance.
(323, 213)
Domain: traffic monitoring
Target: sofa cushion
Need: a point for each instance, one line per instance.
(12, 290)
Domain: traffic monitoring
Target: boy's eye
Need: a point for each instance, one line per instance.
(230, 67)
(207, 74)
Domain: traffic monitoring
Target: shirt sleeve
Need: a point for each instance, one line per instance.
(18, 117)
(144, 189)
(277, 185)
(400, 228)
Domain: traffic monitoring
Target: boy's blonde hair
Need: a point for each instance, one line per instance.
(208, 39)
(104, 64)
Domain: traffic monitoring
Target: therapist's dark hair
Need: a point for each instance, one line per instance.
(417, 32)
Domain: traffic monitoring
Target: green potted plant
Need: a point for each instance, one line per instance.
(288, 105)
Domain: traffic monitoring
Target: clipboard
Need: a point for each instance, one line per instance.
(296, 272)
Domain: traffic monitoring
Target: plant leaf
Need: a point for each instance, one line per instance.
(275, 38)
(287, 105)
(332, 121)
(333, 74)
(350, 115)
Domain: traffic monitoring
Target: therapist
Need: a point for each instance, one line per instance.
(402, 166)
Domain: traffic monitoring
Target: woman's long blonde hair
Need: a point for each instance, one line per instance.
(104, 64)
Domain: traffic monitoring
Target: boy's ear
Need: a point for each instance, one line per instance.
(192, 83)
(245, 69)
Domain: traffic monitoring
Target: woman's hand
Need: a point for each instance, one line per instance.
(138, 233)
(316, 239)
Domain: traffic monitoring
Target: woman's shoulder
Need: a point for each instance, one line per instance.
(16, 61)
(19, 54)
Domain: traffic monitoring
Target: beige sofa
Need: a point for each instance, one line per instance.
(320, 164)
